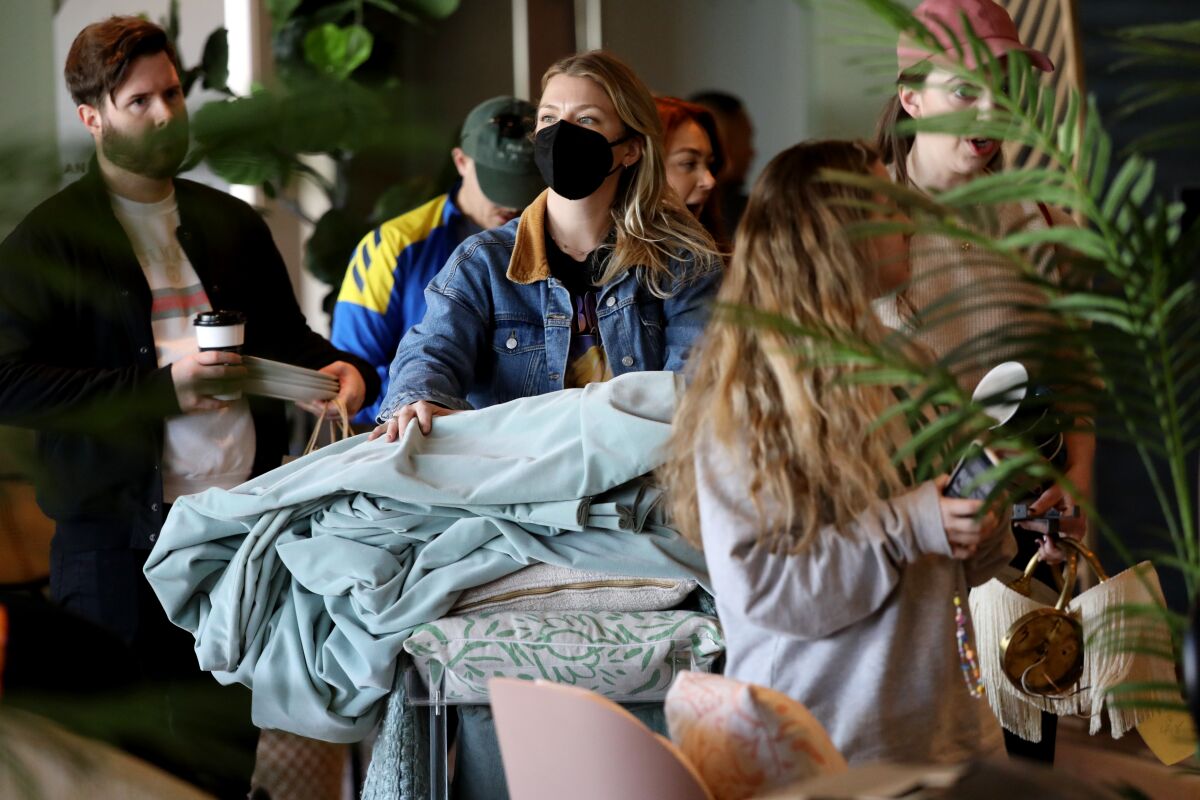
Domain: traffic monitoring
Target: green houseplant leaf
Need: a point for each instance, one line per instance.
(337, 51)
(215, 61)
(282, 10)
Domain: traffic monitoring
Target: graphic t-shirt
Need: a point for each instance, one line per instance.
(586, 359)
(204, 448)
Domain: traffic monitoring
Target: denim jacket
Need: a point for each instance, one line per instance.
(498, 325)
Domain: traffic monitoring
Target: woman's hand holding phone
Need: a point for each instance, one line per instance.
(965, 527)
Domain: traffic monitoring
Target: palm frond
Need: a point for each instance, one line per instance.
(1118, 292)
(1134, 328)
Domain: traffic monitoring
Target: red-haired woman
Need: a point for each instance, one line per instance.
(693, 157)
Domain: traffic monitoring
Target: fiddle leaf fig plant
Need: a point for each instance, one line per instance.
(337, 51)
(318, 104)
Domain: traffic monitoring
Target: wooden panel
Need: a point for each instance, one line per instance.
(1051, 26)
(551, 37)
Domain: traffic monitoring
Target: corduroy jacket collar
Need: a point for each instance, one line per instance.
(529, 263)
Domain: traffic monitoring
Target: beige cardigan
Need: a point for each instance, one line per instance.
(962, 300)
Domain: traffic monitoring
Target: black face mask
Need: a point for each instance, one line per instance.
(574, 160)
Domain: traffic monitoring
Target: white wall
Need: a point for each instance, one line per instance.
(758, 50)
(27, 69)
(800, 66)
(854, 69)
(27, 153)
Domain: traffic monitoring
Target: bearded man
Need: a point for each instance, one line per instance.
(98, 288)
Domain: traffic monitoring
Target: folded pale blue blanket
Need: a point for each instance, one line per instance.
(303, 583)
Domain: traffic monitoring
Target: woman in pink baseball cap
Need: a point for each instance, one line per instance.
(962, 302)
(926, 88)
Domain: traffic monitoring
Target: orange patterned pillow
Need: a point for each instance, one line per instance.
(743, 738)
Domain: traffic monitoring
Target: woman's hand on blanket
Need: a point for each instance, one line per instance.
(965, 528)
(422, 411)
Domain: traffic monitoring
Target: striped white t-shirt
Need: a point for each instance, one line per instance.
(204, 448)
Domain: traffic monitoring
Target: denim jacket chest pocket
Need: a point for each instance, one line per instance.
(519, 346)
(650, 311)
(638, 321)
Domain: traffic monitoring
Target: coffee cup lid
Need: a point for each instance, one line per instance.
(219, 319)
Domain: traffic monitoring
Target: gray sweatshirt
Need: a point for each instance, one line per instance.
(859, 627)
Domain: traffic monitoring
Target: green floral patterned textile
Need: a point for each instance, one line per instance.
(399, 768)
(622, 655)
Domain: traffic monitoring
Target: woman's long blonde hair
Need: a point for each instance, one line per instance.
(806, 446)
(653, 227)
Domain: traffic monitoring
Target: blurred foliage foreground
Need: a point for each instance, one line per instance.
(1115, 328)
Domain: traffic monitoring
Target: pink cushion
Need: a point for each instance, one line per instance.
(743, 738)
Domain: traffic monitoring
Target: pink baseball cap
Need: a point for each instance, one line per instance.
(990, 22)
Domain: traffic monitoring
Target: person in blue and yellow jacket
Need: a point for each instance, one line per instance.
(382, 295)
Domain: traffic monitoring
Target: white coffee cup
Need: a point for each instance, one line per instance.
(221, 330)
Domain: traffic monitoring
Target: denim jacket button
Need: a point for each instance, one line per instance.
(627, 360)
(511, 344)
(612, 301)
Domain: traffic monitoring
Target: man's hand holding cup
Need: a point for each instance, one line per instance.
(203, 380)
(206, 381)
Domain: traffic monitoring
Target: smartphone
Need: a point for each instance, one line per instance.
(974, 462)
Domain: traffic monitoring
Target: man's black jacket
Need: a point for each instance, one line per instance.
(77, 355)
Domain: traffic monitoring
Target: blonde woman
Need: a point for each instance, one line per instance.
(834, 583)
(605, 273)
